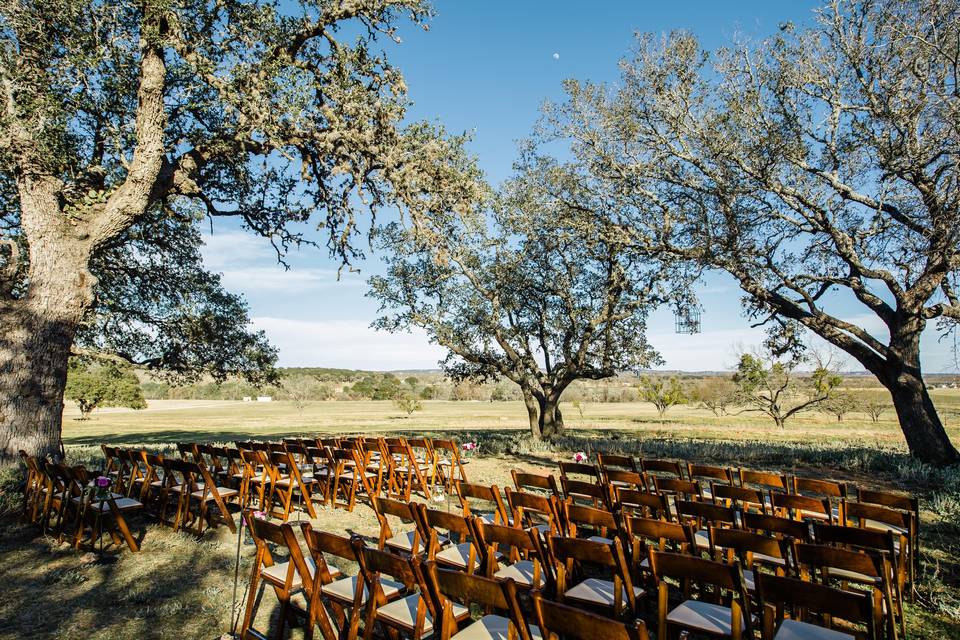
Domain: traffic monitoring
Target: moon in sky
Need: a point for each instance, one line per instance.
(556, 56)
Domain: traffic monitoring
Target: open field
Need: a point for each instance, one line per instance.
(167, 421)
(179, 587)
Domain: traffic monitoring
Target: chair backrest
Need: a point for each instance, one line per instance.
(702, 513)
(624, 479)
(765, 479)
(374, 562)
(722, 475)
(863, 513)
(731, 544)
(527, 508)
(516, 543)
(265, 534)
(742, 497)
(572, 554)
(558, 620)
(668, 467)
(679, 566)
(613, 461)
(888, 499)
(589, 471)
(776, 525)
(593, 492)
(648, 505)
(817, 487)
(854, 537)
(800, 507)
(444, 585)
(579, 520)
(536, 481)
(467, 491)
(818, 560)
(778, 595)
(677, 487)
(665, 534)
(323, 543)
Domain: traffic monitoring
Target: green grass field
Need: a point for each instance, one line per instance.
(179, 587)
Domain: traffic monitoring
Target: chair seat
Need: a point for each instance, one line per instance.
(404, 542)
(492, 627)
(457, 555)
(702, 538)
(883, 526)
(180, 488)
(521, 572)
(815, 515)
(123, 504)
(600, 539)
(345, 589)
(795, 630)
(749, 580)
(597, 591)
(223, 491)
(403, 613)
(765, 559)
(278, 573)
(862, 578)
(703, 616)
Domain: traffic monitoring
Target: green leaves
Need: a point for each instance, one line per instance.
(93, 384)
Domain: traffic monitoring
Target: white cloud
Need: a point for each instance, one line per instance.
(275, 279)
(707, 351)
(346, 344)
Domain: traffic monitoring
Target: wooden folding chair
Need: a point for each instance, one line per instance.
(571, 575)
(405, 542)
(624, 479)
(462, 553)
(187, 486)
(324, 584)
(798, 507)
(829, 564)
(451, 592)
(706, 614)
(639, 503)
(750, 549)
(776, 526)
(808, 601)
(534, 510)
(612, 461)
(836, 492)
(677, 489)
(702, 515)
(209, 492)
(283, 577)
(557, 620)
(642, 534)
(535, 483)
(767, 481)
(872, 515)
(410, 612)
(509, 553)
(888, 542)
(99, 514)
(711, 475)
(591, 493)
(492, 508)
(742, 498)
(450, 464)
(579, 471)
(292, 483)
(668, 468)
(581, 521)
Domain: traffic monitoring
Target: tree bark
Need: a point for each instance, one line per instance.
(551, 420)
(533, 412)
(926, 438)
(37, 334)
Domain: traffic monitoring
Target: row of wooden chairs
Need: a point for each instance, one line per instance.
(67, 502)
(413, 589)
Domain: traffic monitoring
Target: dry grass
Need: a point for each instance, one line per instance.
(179, 587)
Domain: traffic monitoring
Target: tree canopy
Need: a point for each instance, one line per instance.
(818, 168)
(125, 125)
(98, 384)
(529, 289)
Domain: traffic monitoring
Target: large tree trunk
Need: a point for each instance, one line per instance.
(37, 335)
(533, 412)
(926, 438)
(551, 420)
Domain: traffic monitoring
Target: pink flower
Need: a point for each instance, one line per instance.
(259, 515)
(102, 482)
(579, 456)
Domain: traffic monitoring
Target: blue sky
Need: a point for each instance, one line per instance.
(486, 66)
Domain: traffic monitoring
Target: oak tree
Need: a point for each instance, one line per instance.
(819, 168)
(125, 124)
(529, 290)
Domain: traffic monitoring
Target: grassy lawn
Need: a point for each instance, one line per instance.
(179, 587)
